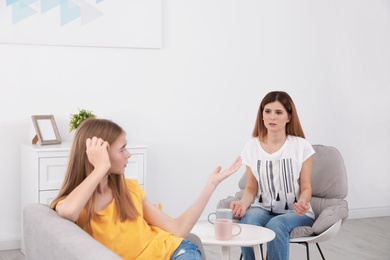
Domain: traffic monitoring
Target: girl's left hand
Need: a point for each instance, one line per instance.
(301, 207)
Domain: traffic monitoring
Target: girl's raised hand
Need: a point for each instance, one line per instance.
(219, 175)
(97, 152)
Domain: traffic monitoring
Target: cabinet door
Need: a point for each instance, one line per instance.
(46, 197)
(52, 172)
(135, 168)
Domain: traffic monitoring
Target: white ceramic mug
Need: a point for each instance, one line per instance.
(223, 229)
(220, 214)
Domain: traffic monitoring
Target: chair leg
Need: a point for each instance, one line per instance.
(307, 249)
(319, 249)
(261, 251)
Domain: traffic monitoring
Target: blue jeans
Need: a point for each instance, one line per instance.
(281, 224)
(187, 251)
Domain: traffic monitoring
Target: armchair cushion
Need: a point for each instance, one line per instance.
(301, 231)
(225, 203)
(329, 179)
(325, 220)
(328, 217)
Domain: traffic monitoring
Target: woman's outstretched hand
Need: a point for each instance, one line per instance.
(219, 175)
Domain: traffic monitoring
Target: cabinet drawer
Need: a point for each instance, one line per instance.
(135, 168)
(46, 197)
(52, 172)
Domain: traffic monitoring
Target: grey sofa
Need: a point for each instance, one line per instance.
(48, 236)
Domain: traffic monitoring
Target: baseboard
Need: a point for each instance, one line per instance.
(369, 212)
(9, 244)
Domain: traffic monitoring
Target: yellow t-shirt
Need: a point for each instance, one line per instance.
(132, 239)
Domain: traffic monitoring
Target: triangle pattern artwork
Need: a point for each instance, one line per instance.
(89, 23)
(70, 10)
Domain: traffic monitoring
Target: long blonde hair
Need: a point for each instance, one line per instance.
(79, 168)
(292, 128)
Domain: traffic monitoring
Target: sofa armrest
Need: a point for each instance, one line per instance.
(196, 240)
(48, 236)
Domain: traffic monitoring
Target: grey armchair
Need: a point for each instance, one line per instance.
(330, 188)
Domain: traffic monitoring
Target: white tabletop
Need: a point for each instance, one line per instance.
(250, 236)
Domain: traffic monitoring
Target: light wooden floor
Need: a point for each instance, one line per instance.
(358, 239)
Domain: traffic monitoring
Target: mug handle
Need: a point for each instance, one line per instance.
(239, 229)
(211, 220)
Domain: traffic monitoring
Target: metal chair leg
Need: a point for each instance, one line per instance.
(307, 249)
(319, 249)
(261, 251)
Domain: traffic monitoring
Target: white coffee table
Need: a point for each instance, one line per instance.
(250, 236)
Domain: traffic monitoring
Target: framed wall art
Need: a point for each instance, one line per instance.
(95, 23)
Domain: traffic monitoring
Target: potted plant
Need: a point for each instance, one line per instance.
(76, 119)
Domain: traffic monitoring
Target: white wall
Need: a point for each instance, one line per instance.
(194, 101)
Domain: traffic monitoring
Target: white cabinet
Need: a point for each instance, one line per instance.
(43, 169)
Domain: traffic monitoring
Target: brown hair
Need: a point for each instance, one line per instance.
(79, 168)
(292, 128)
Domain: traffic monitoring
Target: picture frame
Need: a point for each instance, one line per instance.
(46, 130)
